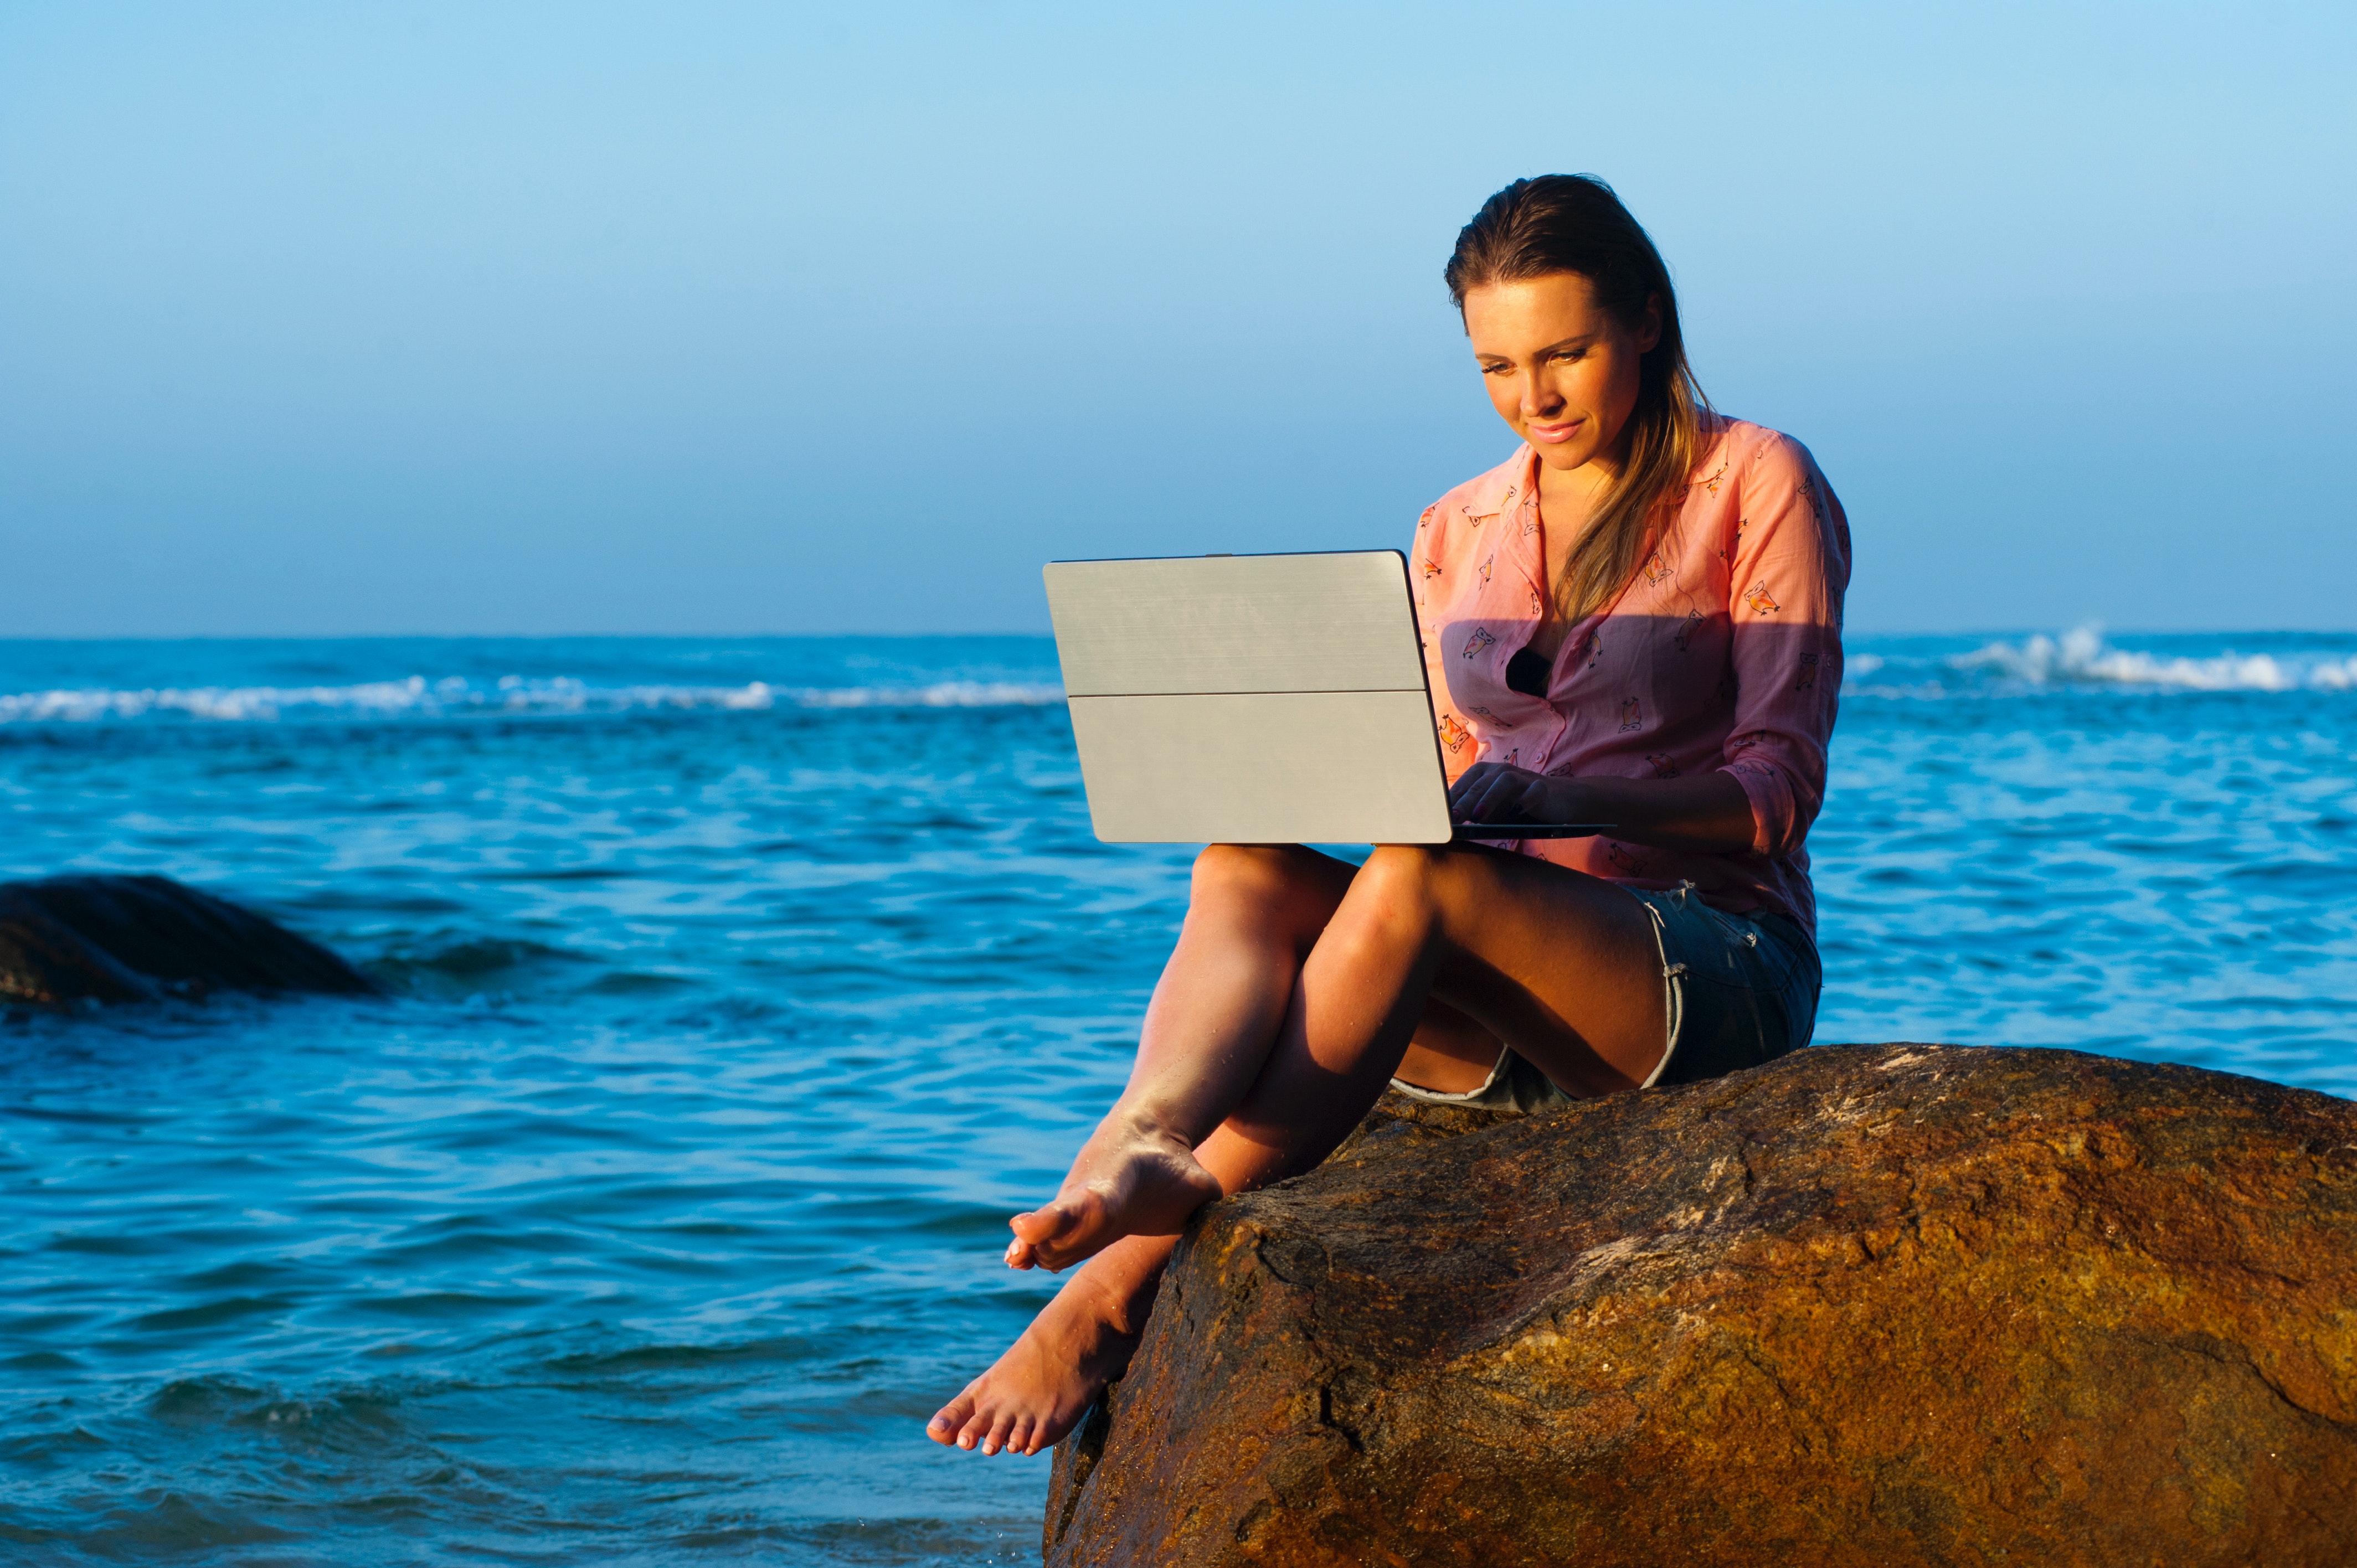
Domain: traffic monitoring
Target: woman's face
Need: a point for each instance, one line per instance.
(1560, 368)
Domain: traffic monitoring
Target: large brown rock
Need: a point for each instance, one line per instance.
(1866, 1304)
(137, 939)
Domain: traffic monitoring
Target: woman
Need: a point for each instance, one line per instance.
(1634, 619)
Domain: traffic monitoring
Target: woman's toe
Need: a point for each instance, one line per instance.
(943, 1427)
(972, 1429)
(1042, 1224)
(1029, 1227)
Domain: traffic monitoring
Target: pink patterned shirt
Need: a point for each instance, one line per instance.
(1723, 652)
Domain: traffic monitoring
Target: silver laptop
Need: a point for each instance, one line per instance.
(1256, 699)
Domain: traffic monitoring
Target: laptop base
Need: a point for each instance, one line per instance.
(1478, 831)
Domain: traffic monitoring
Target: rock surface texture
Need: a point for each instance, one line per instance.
(139, 938)
(1866, 1304)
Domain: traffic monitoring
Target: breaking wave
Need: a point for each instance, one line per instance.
(2082, 657)
(417, 696)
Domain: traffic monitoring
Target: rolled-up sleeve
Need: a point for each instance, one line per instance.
(1791, 568)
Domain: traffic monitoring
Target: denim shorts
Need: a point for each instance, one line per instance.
(1742, 990)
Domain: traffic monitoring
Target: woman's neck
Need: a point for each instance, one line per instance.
(1568, 499)
(1572, 493)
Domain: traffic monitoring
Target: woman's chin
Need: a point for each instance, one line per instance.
(1566, 455)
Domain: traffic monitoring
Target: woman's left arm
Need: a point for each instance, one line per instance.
(1790, 569)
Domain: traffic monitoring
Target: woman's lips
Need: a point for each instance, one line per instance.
(1555, 434)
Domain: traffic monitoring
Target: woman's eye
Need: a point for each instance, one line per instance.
(1570, 356)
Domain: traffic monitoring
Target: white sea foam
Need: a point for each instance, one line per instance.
(942, 695)
(2331, 676)
(511, 694)
(2082, 657)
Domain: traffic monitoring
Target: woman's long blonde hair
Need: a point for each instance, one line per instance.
(1573, 223)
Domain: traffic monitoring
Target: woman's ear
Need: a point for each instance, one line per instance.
(1649, 328)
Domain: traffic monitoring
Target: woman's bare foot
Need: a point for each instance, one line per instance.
(1039, 1389)
(1132, 1179)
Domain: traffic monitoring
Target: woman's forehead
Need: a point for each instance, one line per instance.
(1525, 314)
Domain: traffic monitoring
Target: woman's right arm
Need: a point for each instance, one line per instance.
(1427, 583)
(1710, 811)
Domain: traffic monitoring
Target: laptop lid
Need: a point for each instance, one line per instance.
(1250, 699)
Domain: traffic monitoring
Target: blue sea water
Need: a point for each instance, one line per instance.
(738, 989)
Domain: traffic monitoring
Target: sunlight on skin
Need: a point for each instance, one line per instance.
(1346, 1013)
(1153, 1186)
(1082, 1340)
(1564, 375)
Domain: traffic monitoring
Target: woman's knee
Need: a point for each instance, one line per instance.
(1253, 871)
(1279, 880)
(1423, 886)
(1404, 874)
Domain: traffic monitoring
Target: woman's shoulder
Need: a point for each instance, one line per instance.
(1748, 470)
(1732, 446)
(1766, 473)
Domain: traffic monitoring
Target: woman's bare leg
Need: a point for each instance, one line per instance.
(1532, 953)
(1083, 1339)
(1563, 965)
(1080, 1341)
(1252, 915)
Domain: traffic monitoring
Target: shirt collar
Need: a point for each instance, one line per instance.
(1510, 484)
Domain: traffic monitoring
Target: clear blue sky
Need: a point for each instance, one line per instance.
(452, 318)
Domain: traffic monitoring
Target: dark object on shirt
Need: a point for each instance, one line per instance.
(142, 938)
(1528, 674)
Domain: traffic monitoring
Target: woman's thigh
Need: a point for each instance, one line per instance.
(1563, 967)
(1291, 894)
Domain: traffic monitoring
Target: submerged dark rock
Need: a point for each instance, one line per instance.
(140, 938)
(1866, 1304)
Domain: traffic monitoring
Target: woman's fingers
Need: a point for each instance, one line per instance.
(1492, 793)
(1479, 799)
(1469, 785)
(1473, 784)
(1465, 798)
